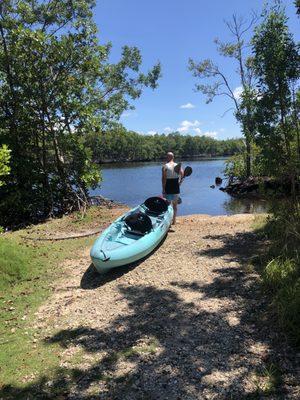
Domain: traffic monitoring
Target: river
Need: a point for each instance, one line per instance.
(132, 183)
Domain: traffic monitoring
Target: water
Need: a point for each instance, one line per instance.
(131, 184)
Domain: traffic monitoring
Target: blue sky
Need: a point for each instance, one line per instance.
(172, 31)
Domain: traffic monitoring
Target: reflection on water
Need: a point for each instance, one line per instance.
(132, 183)
(247, 206)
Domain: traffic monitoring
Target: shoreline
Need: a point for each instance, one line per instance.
(161, 160)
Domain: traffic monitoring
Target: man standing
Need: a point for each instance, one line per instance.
(172, 174)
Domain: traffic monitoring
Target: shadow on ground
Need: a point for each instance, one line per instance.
(168, 348)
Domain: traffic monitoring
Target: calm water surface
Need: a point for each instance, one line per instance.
(131, 184)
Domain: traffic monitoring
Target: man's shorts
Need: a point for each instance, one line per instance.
(172, 197)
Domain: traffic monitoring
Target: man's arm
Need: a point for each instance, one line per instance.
(163, 180)
(181, 175)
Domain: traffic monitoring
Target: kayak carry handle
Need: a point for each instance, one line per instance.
(105, 256)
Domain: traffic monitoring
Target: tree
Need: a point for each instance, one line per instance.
(276, 66)
(297, 4)
(221, 86)
(4, 162)
(56, 86)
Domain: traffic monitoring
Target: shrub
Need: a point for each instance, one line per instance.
(282, 274)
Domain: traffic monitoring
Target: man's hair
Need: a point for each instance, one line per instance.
(170, 154)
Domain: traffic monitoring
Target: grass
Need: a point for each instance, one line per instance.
(17, 263)
(267, 381)
(28, 271)
(280, 266)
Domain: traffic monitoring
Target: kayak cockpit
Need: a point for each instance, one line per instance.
(119, 235)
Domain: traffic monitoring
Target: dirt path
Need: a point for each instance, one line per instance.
(189, 322)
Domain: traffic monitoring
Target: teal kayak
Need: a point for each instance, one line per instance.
(132, 236)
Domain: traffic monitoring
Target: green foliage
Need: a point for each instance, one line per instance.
(268, 381)
(284, 229)
(236, 166)
(281, 275)
(118, 144)
(276, 66)
(4, 162)
(56, 86)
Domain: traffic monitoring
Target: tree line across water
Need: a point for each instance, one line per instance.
(118, 144)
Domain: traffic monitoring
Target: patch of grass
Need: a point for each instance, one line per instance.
(268, 380)
(281, 266)
(259, 222)
(28, 271)
(17, 262)
(280, 273)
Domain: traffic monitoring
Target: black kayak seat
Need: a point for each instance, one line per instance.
(156, 205)
(138, 223)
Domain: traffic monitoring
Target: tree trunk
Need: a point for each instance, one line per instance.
(248, 158)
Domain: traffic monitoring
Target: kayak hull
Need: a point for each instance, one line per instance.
(117, 246)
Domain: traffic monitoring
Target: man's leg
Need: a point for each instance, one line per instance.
(174, 203)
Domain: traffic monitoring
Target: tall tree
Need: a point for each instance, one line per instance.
(207, 69)
(276, 65)
(56, 85)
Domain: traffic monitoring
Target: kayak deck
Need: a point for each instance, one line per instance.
(124, 237)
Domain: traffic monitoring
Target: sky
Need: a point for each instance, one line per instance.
(172, 31)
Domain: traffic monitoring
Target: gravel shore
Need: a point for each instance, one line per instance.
(189, 322)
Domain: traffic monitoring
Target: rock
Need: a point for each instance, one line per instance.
(218, 180)
(212, 186)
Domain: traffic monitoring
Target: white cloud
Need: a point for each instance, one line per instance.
(187, 105)
(222, 129)
(198, 130)
(168, 129)
(237, 92)
(193, 128)
(212, 134)
(186, 126)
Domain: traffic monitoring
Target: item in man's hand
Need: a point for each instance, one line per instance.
(187, 171)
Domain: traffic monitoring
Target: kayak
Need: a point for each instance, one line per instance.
(132, 236)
